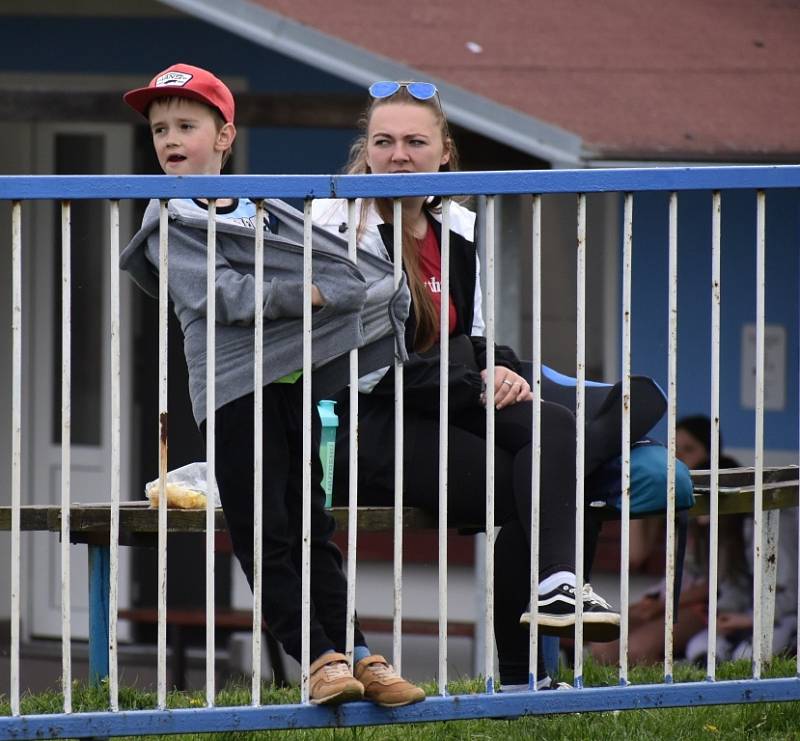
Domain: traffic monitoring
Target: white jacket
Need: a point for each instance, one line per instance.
(331, 214)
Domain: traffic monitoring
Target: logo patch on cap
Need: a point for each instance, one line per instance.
(173, 79)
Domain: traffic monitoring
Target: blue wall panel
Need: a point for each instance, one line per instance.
(738, 302)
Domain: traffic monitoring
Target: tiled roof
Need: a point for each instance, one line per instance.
(641, 79)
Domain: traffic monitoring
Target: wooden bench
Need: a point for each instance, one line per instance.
(90, 524)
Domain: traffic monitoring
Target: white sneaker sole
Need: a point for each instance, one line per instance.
(351, 694)
(597, 627)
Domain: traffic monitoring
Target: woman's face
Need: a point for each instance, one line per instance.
(690, 450)
(404, 137)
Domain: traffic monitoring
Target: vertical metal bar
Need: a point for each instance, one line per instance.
(624, 589)
(163, 318)
(397, 619)
(672, 385)
(713, 540)
(258, 454)
(488, 646)
(580, 428)
(307, 411)
(479, 573)
(211, 403)
(352, 500)
(116, 473)
(758, 493)
(16, 445)
(536, 457)
(444, 377)
(66, 361)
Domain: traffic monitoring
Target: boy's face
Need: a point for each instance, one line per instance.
(187, 138)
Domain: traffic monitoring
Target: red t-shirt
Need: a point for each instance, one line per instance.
(430, 259)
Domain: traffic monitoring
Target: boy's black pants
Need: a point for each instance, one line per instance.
(282, 518)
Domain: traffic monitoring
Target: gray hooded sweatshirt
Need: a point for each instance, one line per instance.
(362, 307)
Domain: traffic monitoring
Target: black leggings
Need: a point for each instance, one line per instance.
(467, 487)
(512, 481)
(467, 469)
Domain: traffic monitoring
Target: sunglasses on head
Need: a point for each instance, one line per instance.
(418, 90)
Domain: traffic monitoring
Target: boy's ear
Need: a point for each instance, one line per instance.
(225, 137)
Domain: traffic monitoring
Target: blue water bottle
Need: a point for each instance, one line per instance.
(327, 447)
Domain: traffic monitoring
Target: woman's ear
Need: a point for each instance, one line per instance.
(225, 137)
(445, 154)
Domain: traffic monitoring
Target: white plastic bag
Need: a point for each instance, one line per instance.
(186, 488)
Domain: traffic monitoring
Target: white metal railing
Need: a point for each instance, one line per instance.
(625, 515)
(488, 619)
(258, 462)
(525, 183)
(536, 429)
(444, 359)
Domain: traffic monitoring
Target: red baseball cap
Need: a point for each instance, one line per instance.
(184, 81)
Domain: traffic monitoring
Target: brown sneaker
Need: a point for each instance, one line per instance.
(384, 686)
(331, 682)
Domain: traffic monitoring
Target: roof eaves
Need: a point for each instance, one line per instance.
(362, 67)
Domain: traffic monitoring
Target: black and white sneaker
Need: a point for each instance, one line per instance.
(557, 614)
(548, 683)
(543, 683)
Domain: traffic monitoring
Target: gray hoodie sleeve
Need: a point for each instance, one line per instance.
(235, 290)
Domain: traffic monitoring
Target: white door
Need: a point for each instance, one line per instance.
(73, 149)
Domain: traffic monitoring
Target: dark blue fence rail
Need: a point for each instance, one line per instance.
(67, 187)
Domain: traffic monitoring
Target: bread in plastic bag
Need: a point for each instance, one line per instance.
(187, 488)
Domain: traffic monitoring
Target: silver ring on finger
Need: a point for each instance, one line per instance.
(507, 382)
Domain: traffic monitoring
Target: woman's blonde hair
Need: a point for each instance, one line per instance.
(427, 330)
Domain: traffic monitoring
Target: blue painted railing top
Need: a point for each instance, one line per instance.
(24, 187)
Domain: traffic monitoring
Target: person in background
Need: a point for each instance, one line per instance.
(646, 616)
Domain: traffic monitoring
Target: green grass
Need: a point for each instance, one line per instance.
(756, 721)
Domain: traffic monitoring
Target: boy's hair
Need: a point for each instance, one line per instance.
(185, 81)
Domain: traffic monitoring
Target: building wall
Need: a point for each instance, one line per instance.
(141, 46)
(738, 306)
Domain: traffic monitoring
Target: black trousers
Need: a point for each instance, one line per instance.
(282, 518)
(467, 468)
(467, 487)
(467, 503)
(512, 475)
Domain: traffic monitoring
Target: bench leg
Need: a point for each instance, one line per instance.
(550, 647)
(99, 565)
(769, 570)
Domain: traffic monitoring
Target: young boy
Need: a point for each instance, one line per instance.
(191, 116)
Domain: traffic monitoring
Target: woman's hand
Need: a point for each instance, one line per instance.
(509, 388)
(647, 608)
(316, 296)
(731, 622)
